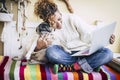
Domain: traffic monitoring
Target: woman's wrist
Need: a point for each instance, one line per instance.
(37, 49)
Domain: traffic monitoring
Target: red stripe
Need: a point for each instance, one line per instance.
(4, 62)
(1, 74)
(104, 75)
(80, 75)
(2, 65)
(21, 73)
(90, 76)
(43, 73)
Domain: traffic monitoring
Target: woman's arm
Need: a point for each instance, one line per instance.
(83, 28)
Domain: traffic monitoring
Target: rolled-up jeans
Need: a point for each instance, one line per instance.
(57, 55)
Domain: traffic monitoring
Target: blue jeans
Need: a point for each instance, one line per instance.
(57, 55)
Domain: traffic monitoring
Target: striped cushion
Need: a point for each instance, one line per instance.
(11, 70)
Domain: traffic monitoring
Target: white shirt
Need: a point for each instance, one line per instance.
(75, 34)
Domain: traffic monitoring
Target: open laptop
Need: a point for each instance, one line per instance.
(100, 38)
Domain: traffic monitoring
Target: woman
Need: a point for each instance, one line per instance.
(74, 35)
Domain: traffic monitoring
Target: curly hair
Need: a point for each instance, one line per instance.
(44, 9)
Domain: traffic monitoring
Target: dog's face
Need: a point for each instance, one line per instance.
(43, 28)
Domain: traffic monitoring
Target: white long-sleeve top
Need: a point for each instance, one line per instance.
(75, 34)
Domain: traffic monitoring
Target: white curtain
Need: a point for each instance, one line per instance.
(9, 36)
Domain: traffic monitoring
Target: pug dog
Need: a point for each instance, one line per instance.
(36, 57)
(39, 57)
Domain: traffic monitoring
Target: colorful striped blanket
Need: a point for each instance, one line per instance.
(11, 70)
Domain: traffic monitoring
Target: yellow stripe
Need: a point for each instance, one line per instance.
(1, 57)
(27, 73)
(38, 73)
(85, 76)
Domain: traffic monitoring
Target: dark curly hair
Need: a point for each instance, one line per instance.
(44, 9)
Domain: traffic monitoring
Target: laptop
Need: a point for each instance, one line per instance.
(100, 39)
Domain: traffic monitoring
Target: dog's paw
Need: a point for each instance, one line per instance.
(32, 62)
(24, 63)
(16, 58)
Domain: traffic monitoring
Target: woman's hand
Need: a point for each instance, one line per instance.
(44, 41)
(112, 39)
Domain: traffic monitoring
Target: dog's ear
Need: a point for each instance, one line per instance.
(47, 27)
(44, 27)
(37, 30)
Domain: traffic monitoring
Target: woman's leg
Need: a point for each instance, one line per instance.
(56, 54)
(101, 57)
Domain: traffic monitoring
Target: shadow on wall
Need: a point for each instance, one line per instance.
(1, 43)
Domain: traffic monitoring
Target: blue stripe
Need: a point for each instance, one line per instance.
(48, 74)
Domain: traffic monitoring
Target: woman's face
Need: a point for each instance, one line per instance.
(56, 20)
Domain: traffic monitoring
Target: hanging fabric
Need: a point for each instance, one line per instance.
(21, 28)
